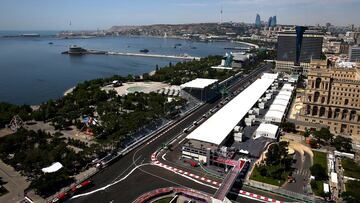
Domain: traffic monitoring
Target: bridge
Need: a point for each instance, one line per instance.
(229, 180)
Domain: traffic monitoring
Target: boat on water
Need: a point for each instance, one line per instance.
(30, 35)
(75, 50)
(144, 50)
(177, 45)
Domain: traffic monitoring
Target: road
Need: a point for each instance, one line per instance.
(132, 175)
(301, 174)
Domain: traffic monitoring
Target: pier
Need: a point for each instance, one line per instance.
(247, 43)
(80, 51)
(182, 57)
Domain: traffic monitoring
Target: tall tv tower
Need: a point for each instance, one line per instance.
(221, 12)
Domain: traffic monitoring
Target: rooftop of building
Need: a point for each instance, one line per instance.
(218, 127)
(336, 62)
(268, 128)
(199, 83)
(307, 33)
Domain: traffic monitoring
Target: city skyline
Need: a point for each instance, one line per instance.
(90, 15)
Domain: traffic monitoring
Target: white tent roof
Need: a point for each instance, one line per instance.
(199, 83)
(326, 187)
(283, 97)
(334, 177)
(287, 87)
(267, 128)
(274, 114)
(280, 102)
(269, 76)
(284, 92)
(53, 168)
(217, 127)
(276, 107)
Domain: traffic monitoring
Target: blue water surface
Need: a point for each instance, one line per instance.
(33, 71)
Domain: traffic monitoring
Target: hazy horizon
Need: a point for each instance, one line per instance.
(17, 15)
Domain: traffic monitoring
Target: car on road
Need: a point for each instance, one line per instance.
(192, 163)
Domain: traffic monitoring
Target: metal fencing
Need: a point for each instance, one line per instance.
(279, 191)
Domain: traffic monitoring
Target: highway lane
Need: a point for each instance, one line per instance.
(140, 182)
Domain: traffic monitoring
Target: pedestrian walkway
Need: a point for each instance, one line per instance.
(15, 184)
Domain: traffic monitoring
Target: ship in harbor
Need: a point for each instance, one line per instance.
(144, 51)
(22, 35)
(30, 35)
(75, 50)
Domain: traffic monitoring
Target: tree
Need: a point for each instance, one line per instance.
(319, 172)
(313, 143)
(288, 127)
(50, 183)
(324, 135)
(277, 153)
(342, 144)
(146, 76)
(352, 194)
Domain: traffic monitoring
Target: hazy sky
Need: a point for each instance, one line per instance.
(92, 14)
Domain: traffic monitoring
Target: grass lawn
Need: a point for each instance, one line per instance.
(164, 200)
(353, 189)
(317, 187)
(320, 158)
(351, 169)
(265, 179)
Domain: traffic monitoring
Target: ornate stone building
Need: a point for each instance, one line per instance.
(332, 98)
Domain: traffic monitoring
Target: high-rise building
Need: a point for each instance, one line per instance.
(298, 47)
(354, 53)
(269, 21)
(328, 25)
(344, 48)
(331, 99)
(273, 22)
(258, 21)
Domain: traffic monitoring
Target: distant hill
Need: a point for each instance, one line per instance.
(179, 29)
